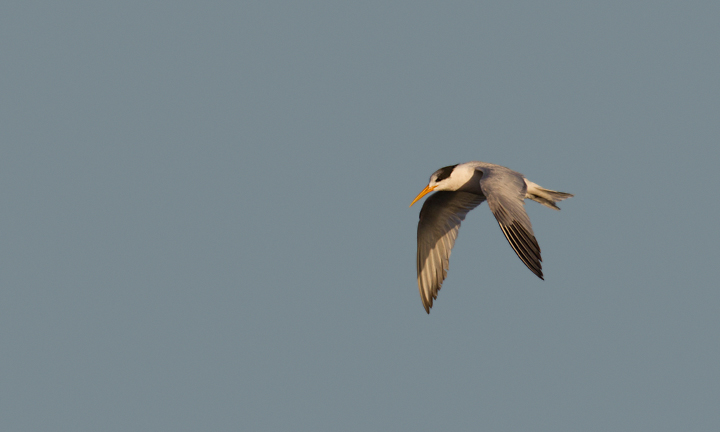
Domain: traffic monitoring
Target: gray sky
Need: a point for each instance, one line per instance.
(205, 220)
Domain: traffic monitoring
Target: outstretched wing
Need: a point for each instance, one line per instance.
(440, 219)
(505, 192)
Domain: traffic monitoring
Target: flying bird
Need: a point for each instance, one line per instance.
(459, 189)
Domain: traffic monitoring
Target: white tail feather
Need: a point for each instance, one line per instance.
(544, 196)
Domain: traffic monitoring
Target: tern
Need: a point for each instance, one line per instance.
(459, 189)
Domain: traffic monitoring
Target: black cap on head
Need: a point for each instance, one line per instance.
(444, 172)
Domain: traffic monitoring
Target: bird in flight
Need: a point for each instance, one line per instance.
(459, 189)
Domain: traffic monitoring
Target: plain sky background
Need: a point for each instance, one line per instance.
(205, 222)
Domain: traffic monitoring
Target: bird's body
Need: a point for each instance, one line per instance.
(460, 188)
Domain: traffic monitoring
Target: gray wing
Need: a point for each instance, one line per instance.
(505, 191)
(440, 219)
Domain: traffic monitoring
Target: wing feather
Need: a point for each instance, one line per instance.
(505, 191)
(439, 223)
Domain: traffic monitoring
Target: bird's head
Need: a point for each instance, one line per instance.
(440, 180)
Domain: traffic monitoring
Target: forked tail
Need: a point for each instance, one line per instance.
(545, 197)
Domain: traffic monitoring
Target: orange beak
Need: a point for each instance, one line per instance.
(424, 192)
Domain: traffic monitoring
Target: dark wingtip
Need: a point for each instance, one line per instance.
(539, 274)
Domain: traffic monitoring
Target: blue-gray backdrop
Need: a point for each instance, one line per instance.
(205, 224)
